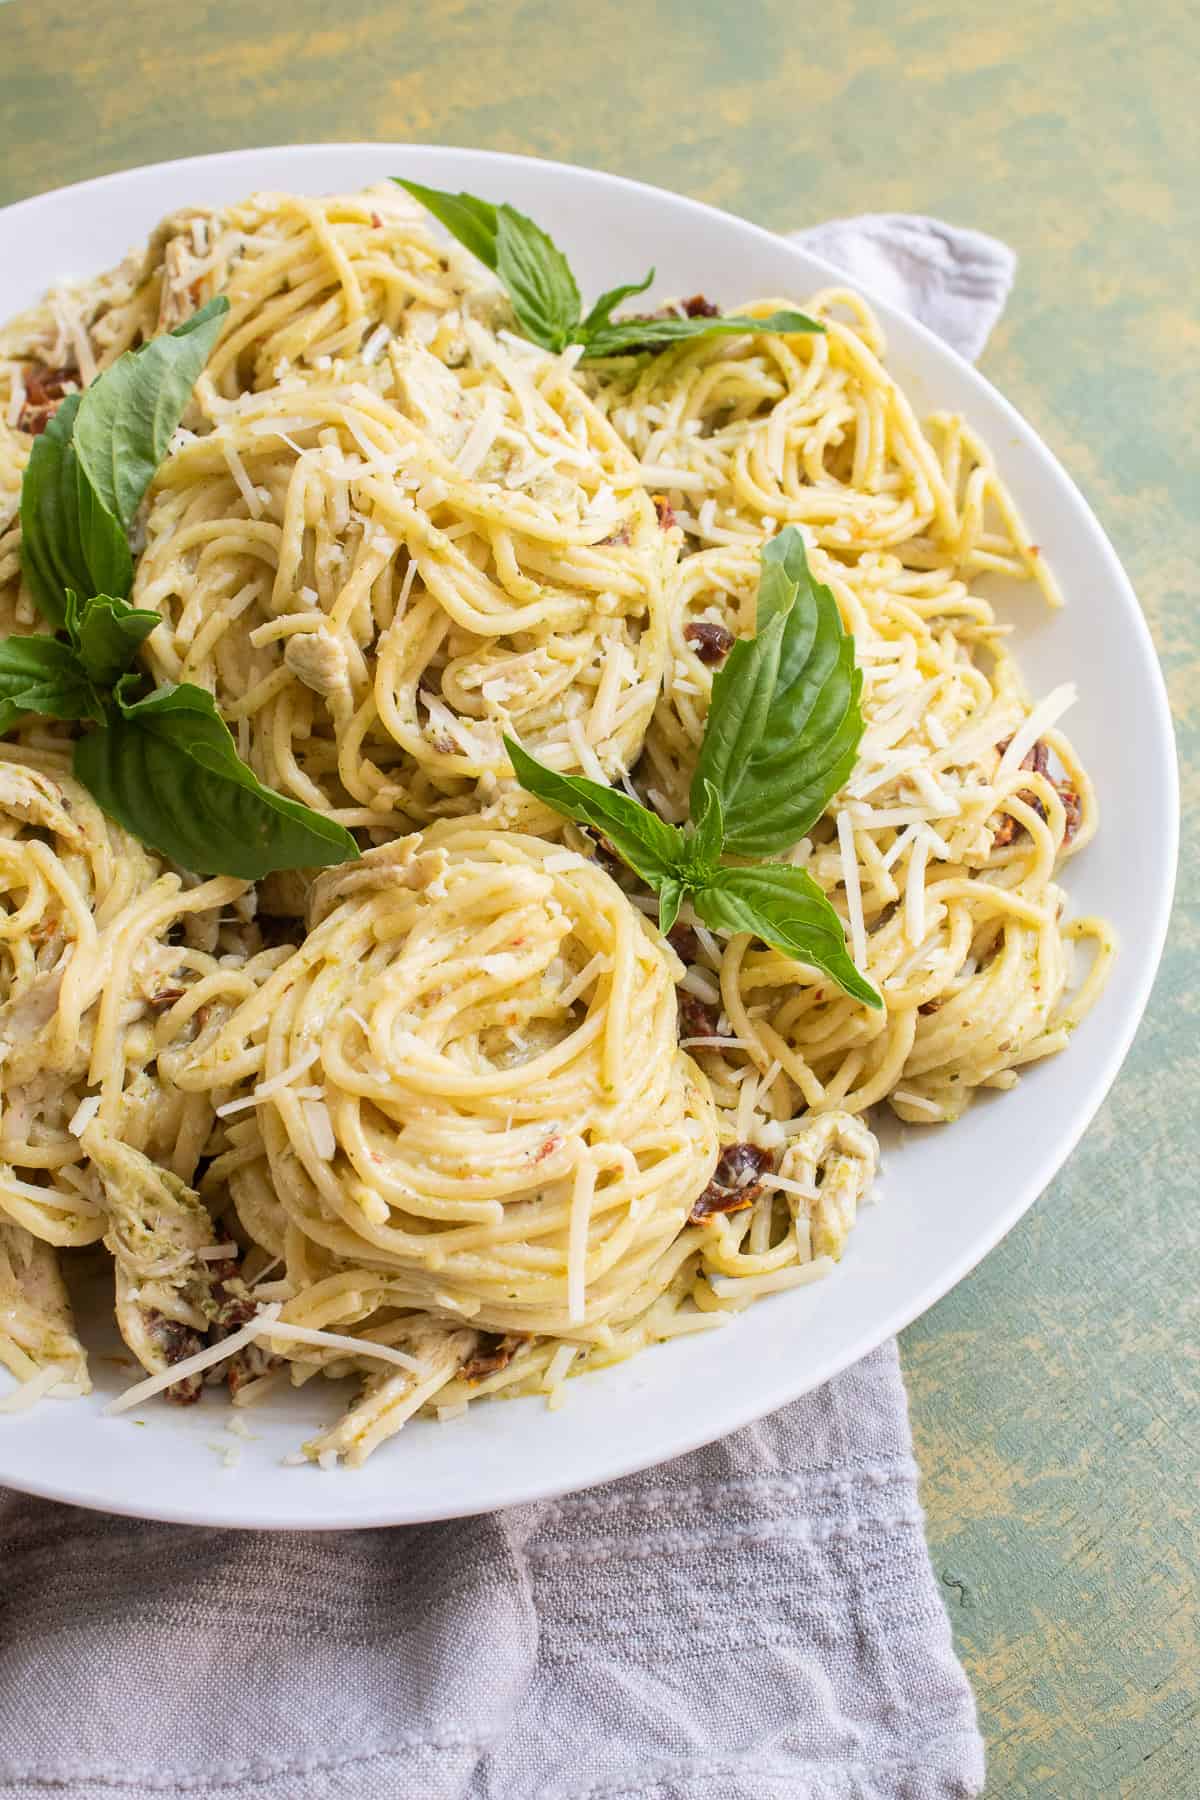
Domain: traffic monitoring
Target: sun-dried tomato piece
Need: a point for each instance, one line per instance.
(684, 942)
(696, 1019)
(711, 642)
(735, 1184)
(494, 1352)
(1037, 760)
(45, 390)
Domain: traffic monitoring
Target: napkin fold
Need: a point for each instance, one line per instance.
(754, 1621)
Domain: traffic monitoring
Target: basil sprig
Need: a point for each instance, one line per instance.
(781, 737)
(544, 293)
(161, 761)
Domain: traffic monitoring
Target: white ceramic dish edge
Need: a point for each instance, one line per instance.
(678, 1397)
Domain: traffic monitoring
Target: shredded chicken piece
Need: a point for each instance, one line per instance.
(407, 866)
(177, 301)
(166, 1298)
(429, 394)
(838, 1155)
(34, 799)
(318, 659)
(387, 1401)
(36, 1324)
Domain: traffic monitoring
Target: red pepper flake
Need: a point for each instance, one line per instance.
(665, 511)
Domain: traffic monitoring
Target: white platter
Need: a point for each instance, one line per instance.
(947, 1196)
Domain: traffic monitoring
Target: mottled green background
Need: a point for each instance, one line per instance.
(1055, 1392)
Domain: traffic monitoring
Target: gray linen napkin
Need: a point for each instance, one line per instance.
(756, 1620)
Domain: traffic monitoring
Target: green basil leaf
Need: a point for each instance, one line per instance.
(786, 909)
(785, 794)
(166, 768)
(539, 280)
(742, 692)
(778, 585)
(106, 633)
(88, 470)
(623, 337)
(601, 311)
(653, 849)
(797, 750)
(43, 675)
(704, 844)
(670, 899)
(127, 417)
(470, 220)
(533, 269)
(68, 540)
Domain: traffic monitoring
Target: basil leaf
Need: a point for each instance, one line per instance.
(473, 222)
(670, 899)
(68, 540)
(653, 849)
(786, 909)
(787, 763)
(43, 675)
(784, 795)
(89, 469)
(533, 269)
(166, 768)
(704, 844)
(106, 633)
(127, 417)
(544, 293)
(600, 313)
(622, 337)
(742, 693)
(539, 281)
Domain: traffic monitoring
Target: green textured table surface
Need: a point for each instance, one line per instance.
(1054, 1393)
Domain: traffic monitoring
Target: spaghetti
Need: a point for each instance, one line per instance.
(457, 1119)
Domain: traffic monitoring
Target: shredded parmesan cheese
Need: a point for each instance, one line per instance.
(36, 1388)
(273, 1085)
(1045, 714)
(854, 907)
(83, 1115)
(192, 1365)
